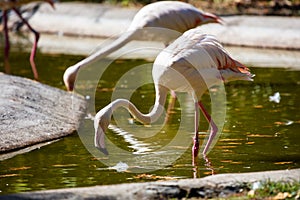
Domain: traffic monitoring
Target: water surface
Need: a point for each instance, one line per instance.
(257, 135)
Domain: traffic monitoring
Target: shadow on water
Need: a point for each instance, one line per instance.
(258, 134)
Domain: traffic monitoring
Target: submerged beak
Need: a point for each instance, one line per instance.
(103, 150)
(100, 140)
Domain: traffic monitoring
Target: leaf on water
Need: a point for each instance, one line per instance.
(260, 136)
(66, 165)
(19, 168)
(286, 123)
(227, 150)
(278, 123)
(105, 89)
(283, 163)
(232, 162)
(231, 139)
(236, 162)
(8, 175)
(226, 161)
(155, 177)
(258, 106)
(249, 143)
(234, 143)
(207, 172)
(226, 147)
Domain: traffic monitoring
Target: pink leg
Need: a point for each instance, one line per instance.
(34, 48)
(209, 165)
(7, 46)
(214, 128)
(195, 149)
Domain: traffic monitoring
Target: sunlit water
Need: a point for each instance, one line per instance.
(258, 134)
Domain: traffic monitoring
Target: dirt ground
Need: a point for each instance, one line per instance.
(250, 7)
(234, 7)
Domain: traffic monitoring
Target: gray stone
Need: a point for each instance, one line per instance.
(31, 112)
(220, 186)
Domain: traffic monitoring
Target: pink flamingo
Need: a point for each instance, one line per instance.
(172, 15)
(7, 5)
(192, 63)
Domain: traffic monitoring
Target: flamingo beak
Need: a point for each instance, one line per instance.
(51, 2)
(100, 140)
(213, 18)
(69, 86)
(69, 78)
(103, 150)
(220, 20)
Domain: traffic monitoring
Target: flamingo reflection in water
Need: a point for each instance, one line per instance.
(5, 6)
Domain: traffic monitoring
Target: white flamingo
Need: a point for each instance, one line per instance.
(172, 15)
(192, 63)
(5, 6)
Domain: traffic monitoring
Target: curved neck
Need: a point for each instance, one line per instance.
(155, 113)
(102, 53)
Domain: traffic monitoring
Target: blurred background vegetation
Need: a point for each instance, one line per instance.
(226, 7)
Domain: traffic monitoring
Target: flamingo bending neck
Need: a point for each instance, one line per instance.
(103, 117)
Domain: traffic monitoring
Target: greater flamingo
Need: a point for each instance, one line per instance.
(172, 15)
(7, 5)
(192, 63)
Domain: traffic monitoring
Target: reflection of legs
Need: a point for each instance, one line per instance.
(6, 47)
(195, 148)
(209, 165)
(170, 105)
(214, 128)
(33, 50)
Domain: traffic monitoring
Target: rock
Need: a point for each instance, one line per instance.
(217, 186)
(32, 113)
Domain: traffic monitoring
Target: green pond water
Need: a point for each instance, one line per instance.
(257, 135)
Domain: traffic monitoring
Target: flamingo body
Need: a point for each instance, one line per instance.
(171, 15)
(195, 62)
(192, 63)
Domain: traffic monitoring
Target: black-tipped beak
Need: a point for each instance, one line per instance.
(220, 21)
(103, 150)
(51, 2)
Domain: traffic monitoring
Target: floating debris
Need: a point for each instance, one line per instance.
(120, 167)
(89, 116)
(275, 98)
(285, 122)
(157, 177)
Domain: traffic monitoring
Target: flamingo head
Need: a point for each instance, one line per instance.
(70, 77)
(211, 18)
(101, 122)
